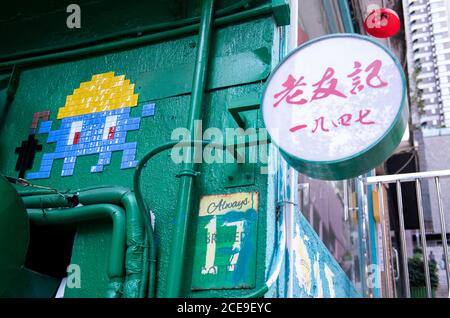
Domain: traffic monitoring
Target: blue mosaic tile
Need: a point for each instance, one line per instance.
(45, 127)
(129, 152)
(98, 168)
(91, 140)
(38, 175)
(66, 173)
(46, 168)
(129, 164)
(148, 110)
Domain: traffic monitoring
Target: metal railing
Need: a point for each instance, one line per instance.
(398, 179)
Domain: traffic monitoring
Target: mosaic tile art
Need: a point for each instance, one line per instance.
(29, 147)
(94, 120)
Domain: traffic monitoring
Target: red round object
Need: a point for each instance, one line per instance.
(382, 23)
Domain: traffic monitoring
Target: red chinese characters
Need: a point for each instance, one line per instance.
(323, 124)
(327, 86)
(345, 120)
(372, 79)
(290, 85)
(320, 122)
(362, 117)
(293, 92)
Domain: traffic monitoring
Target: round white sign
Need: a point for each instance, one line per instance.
(333, 99)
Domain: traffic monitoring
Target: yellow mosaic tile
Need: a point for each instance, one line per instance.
(103, 92)
(102, 76)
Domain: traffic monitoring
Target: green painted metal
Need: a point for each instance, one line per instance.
(367, 159)
(4, 81)
(13, 82)
(259, 293)
(46, 201)
(14, 236)
(143, 163)
(136, 268)
(129, 30)
(142, 206)
(130, 43)
(116, 270)
(243, 113)
(138, 188)
(92, 238)
(30, 284)
(46, 87)
(140, 199)
(183, 213)
(231, 265)
(238, 108)
(281, 12)
(226, 71)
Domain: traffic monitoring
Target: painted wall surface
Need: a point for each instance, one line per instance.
(162, 74)
(153, 69)
(317, 273)
(225, 246)
(99, 19)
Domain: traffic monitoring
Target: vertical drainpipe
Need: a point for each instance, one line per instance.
(346, 16)
(287, 184)
(362, 235)
(368, 227)
(293, 174)
(330, 18)
(373, 240)
(370, 275)
(183, 213)
(292, 180)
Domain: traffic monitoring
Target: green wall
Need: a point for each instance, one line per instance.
(152, 70)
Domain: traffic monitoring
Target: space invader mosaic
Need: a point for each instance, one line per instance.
(94, 120)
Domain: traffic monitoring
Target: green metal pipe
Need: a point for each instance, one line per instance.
(116, 269)
(140, 199)
(159, 27)
(31, 189)
(142, 206)
(136, 264)
(258, 293)
(112, 194)
(144, 291)
(46, 201)
(183, 214)
(135, 229)
(133, 42)
(135, 216)
(136, 220)
(24, 193)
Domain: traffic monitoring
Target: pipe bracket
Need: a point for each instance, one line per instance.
(188, 172)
